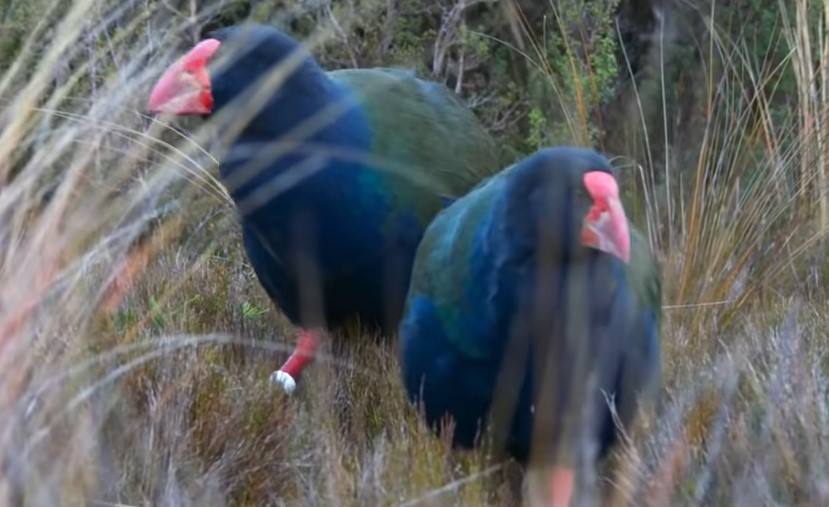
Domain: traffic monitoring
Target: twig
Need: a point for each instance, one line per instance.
(352, 55)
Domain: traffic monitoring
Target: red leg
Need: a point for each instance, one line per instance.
(303, 355)
(562, 484)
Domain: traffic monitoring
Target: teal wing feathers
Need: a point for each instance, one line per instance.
(643, 271)
(443, 266)
(432, 146)
(641, 371)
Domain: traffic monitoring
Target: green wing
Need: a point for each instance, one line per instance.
(641, 373)
(643, 273)
(443, 266)
(432, 147)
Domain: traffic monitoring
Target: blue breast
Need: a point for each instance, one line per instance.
(318, 224)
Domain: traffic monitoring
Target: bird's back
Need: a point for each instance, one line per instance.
(431, 147)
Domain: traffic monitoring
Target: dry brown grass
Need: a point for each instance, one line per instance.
(135, 342)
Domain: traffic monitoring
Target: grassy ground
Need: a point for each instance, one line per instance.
(135, 341)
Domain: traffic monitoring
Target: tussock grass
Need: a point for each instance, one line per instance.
(135, 342)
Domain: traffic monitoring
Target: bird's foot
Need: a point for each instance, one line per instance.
(306, 348)
(284, 380)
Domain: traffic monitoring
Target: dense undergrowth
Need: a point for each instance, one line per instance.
(135, 341)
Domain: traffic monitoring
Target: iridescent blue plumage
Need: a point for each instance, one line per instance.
(335, 174)
(334, 217)
(510, 314)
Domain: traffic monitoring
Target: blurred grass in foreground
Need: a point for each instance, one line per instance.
(135, 342)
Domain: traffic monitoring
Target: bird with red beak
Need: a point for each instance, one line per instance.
(335, 175)
(534, 311)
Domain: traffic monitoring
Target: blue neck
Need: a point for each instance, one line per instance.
(308, 200)
(294, 146)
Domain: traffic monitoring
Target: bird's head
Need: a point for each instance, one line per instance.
(574, 200)
(222, 66)
(605, 226)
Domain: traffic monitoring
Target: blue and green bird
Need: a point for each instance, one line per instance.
(335, 174)
(534, 309)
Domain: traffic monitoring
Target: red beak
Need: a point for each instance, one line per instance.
(605, 227)
(184, 88)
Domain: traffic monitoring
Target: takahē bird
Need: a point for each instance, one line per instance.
(335, 174)
(533, 308)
